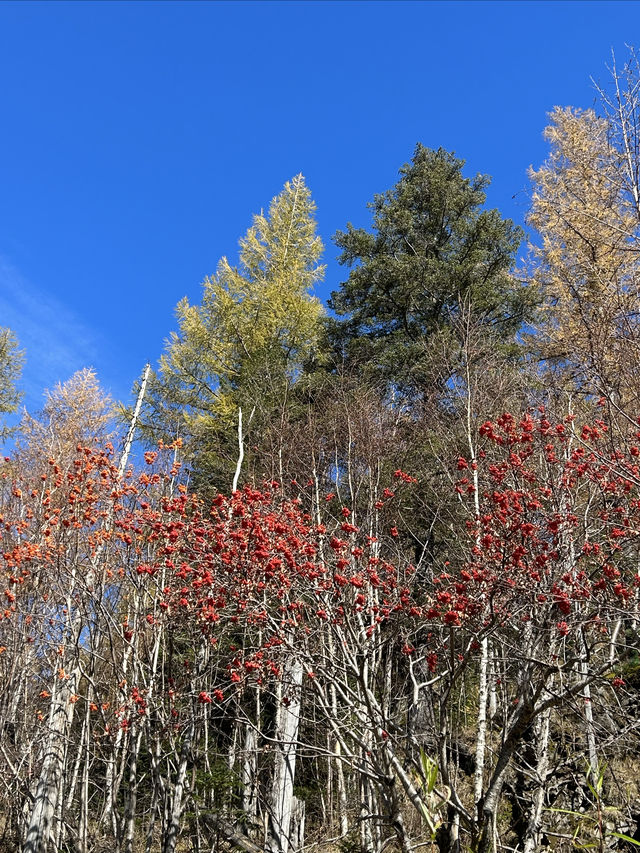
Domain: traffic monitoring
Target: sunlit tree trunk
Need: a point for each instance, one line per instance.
(249, 773)
(48, 789)
(533, 833)
(286, 737)
(129, 824)
(178, 799)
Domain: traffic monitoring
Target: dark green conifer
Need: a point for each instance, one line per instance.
(431, 251)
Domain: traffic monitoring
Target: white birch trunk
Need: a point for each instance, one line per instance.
(298, 818)
(583, 669)
(534, 826)
(130, 813)
(249, 772)
(366, 810)
(481, 730)
(177, 803)
(112, 777)
(48, 789)
(483, 690)
(342, 790)
(337, 750)
(128, 442)
(279, 822)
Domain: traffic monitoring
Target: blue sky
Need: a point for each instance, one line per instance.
(139, 138)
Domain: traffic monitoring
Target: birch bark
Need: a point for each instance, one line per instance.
(279, 822)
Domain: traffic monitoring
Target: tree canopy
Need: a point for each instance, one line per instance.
(243, 345)
(11, 361)
(432, 249)
(586, 265)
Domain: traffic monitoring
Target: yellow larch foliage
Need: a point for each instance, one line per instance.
(586, 264)
(257, 323)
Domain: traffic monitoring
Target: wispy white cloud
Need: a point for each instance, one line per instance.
(55, 340)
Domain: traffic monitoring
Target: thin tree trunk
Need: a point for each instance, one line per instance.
(132, 798)
(337, 751)
(83, 824)
(342, 790)
(533, 832)
(481, 729)
(77, 764)
(366, 810)
(48, 789)
(583, 669)
(277, 840)
(158, 790)
(249, 773)
(177, 803)
(483, 691)
(112, 779)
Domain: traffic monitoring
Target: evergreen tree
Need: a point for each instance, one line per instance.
(432, 250)
(11, 360)
(247, 341)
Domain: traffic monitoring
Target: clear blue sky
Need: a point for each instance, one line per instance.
(138, 138)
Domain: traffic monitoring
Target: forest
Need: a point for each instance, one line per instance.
(361, 577)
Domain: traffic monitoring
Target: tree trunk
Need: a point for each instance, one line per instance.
(533, 832)
(298, 818)
(288, 720)
(48, 789)
(249, 774)
(177, 803)
(481, 731)
(132, 797)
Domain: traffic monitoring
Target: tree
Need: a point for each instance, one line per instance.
(432, 249)
(586, 266)
(150, 632)
(11, 360)
(77, 411)
(586, 209)
(430, 313)
(244, 345)
(619, 103)
(555, 558)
